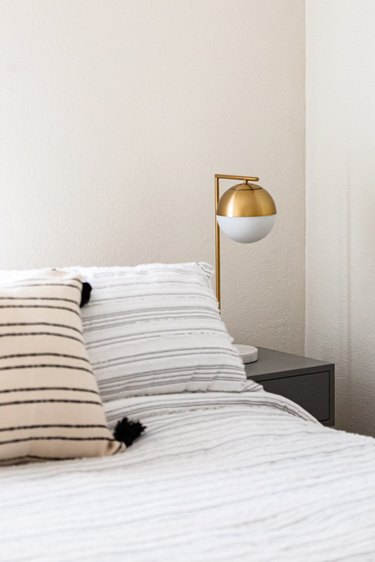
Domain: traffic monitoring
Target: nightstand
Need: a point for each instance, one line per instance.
(308, 382)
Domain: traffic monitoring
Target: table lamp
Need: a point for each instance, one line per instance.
(245, 213)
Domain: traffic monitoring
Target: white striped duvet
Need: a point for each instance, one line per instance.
(216, 477)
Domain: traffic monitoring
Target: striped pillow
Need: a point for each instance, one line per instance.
(155, 329)
(49, 402)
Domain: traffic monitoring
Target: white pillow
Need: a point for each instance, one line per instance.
(156, 329)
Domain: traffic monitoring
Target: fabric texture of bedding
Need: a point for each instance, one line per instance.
(156, 329)
(50, 407)
(217, 477)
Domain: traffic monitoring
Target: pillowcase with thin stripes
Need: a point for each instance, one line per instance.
(49, 402)
(156, 329)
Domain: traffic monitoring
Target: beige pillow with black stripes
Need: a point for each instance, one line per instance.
(49, 402)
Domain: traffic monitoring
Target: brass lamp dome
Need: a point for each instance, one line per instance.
(246, 200)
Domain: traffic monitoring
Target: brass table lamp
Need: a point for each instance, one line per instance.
(245, 213)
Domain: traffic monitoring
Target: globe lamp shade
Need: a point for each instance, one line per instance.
(246, 213)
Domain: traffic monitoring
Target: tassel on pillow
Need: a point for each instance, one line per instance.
(127, 431)
(86, 293)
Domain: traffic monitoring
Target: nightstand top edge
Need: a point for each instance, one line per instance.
(271, 362)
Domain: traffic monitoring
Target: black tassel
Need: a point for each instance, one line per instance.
(86, 292)
(127, 431)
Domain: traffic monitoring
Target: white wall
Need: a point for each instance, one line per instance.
(114, 117)
(340, 201)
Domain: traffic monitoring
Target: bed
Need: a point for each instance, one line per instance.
(215, 477)
(224, 471)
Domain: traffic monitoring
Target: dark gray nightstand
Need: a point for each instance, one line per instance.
(308, 382)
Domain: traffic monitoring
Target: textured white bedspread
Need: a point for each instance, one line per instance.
(217, 477)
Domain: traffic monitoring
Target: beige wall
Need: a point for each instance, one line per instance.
(340, 201)
(114, 117)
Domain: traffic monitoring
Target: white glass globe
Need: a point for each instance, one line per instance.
(246, 229)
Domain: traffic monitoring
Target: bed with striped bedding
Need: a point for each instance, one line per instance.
(216, 477)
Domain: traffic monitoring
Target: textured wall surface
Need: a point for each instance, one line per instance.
(116, 114)
(340, 201)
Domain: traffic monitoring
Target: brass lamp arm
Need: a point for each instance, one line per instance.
(229, 177)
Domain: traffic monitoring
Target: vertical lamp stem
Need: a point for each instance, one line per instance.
(217, 244)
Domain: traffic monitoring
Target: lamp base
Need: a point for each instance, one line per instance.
(248, 353)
